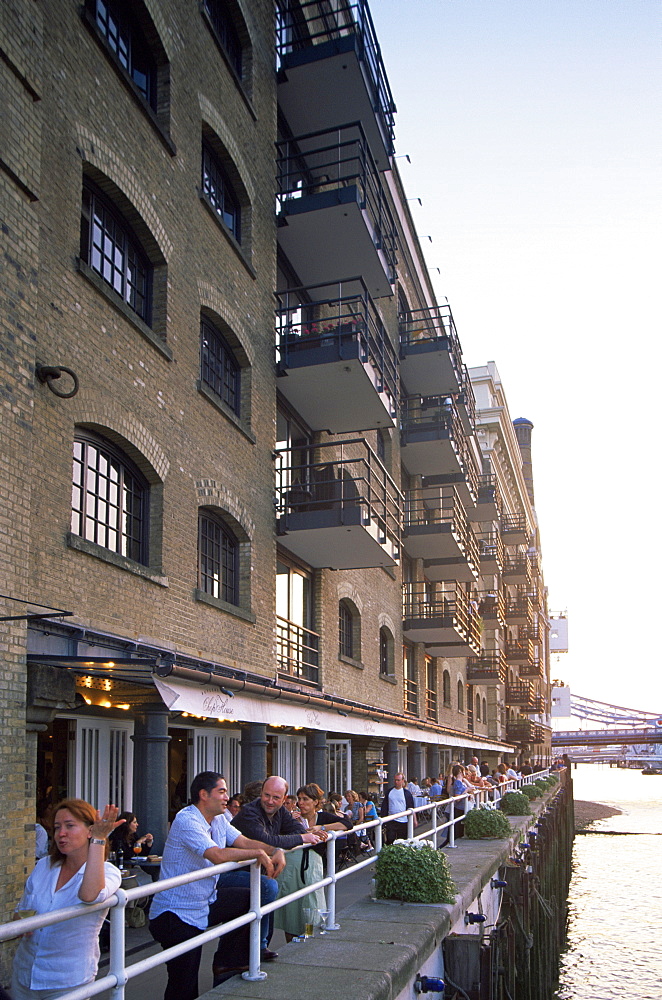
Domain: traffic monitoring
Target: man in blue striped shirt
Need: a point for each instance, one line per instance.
(201, 836)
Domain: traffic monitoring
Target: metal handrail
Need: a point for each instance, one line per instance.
(120, 973)
(303, 28)
(331, 159)
(337, 313)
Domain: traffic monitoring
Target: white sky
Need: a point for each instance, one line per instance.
(533, 128)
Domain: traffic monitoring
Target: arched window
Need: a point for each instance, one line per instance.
(460, 696)
(110, 248)
(225, 33)
(218, 367)
(386, 653)
(110, 497)
(219, 191)
(218, 558)
(118, 26)
(484, 711)
(349, 630)
(478, 708)
(446, 684)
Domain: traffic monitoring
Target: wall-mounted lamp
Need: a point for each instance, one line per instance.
(227, 692)
(341, 712)
(419, 200)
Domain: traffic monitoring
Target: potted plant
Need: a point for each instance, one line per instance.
(484, 823)
(531, 791)
(515, 804)
(414, 872)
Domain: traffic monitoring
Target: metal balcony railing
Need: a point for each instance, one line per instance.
(320, 163)
(488, 491)
(492, 608)
(435, 415)
(518, 610)
(431, 704)
(513, 524)
(301, 25)
(297, 651)
(489, 666)
(335, 475)
(452, 608)
(340, 316)
(445, 508)
(519, 651)
(410, 696)
(467, 399)
(434, 324)
(517, 566)
(519, 693)
(490, 548)
(531, 632)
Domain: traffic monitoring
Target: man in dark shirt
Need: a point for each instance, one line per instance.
(278, 828)
(269, 815)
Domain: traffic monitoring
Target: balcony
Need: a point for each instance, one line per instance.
(339, 509)
(431, 436)
(516, 569)
(514, 530)
(535, 668)
(465, 483)
(524, 731)
(490, 552)
(519, 693)
(447, 622)
(489, 668)
(430, 352)
(297, 651)
(492, 609)
(466, 404)
(338, 368)
(333, 215)
(436, 529)
(330, 70)
(531, 632)
(488, 500)
(519, 612)
(536, 707)
(519, 651)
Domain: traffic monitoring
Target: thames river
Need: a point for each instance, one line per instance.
(614, 944)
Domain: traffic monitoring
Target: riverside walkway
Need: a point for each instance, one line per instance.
(382, 945)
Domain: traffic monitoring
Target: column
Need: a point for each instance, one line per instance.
(416, 761)
(150, 770)
(434, 761)
(391, 760)
(253, 752)
(316, 758)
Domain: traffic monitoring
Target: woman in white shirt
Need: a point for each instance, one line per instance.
(53, 960)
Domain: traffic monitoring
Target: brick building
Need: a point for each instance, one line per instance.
(235, 537)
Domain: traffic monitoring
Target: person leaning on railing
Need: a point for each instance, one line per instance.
(53, 960)
(200, 837)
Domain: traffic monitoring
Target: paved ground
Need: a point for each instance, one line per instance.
(151, 985)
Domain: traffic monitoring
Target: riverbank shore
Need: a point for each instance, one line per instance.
(588, 812)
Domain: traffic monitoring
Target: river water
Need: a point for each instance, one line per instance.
(614, 943)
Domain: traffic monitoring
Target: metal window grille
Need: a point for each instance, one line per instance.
(217, 560)
(219, 370)
(345, 630)
(109, 501)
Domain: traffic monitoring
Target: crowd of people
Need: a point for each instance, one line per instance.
(265, 823)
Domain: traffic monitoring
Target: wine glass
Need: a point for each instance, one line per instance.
(324, 916)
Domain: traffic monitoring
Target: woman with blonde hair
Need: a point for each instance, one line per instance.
(53, 960)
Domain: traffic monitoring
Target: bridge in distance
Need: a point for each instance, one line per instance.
(622, 726)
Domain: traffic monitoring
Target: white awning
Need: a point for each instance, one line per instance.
(208, 701)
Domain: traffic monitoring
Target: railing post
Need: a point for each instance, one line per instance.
(410, 824)
(435, 823)
(378, 836)
(117, 944)
(331, 872)
(451, 828)
(254, 973)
